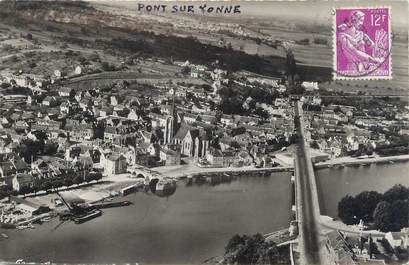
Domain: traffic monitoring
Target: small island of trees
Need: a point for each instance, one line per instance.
(387, 212)
(254, 249)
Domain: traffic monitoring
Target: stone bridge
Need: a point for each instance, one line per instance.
(147, 174)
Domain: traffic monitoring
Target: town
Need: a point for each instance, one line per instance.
(74, 138)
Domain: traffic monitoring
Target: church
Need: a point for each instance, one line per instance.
(191, 141)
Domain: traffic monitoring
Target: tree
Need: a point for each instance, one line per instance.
(77, 180)
(46, 185)
(263, 114)
(251, 250)
(397, 192)
(382, 216)
(68, 182)
(366, 203)
(50, 148)
(347, 209)
(24, 190)
(107, 67)
(314, 145)
(185, 70)
(56, 183)
(237, 131)
(399, 212)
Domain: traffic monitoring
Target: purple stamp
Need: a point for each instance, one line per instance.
(362, 43)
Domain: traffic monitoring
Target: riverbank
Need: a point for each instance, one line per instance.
(182, 171)
(329, 223)
(353, 161)
(200, 217)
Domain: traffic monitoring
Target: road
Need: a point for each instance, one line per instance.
(307, 201)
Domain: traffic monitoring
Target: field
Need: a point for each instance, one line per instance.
(40, 47)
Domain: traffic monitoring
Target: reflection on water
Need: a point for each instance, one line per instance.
(335, 183)
(187, 227)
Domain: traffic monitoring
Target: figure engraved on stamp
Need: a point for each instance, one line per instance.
(362, 43)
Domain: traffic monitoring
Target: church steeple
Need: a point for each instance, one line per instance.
(171, 121)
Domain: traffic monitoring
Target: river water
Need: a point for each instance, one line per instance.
(333, 184)
(194, 223)
(187, 227)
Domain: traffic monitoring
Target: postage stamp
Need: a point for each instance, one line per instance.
(362, 43)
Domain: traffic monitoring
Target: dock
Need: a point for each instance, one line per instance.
(356, 162)
(131, 188)
(104, 205)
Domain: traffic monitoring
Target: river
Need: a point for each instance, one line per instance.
(187, 227)
(194, 223)
(333, 184)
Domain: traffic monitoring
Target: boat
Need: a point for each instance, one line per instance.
(366, 164)
(164, 184)
(4, 235)
(189, 180)
(86, 217)
(391, 162)
(46, 219)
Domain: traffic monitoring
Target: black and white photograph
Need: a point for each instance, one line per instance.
(204, 132)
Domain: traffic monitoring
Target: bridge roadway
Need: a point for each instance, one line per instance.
(308, 212)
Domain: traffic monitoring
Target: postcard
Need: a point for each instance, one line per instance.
(204, 132)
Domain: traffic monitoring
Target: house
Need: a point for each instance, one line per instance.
(22, 181)
(282, 102)
(65, 108)
(190, 118)
(229, 158)
(157, 120)
(338, 250)
(215, 157)
(115, 164)
(21, 125)
(85, 104)
(65, 92)
(153, 149)
(169, 157)
(77, 150)
(105, 111)
(362, 247)
(40, 168)
(11, 164)
(310, 86)
(78, 96)
(146, 136)
(120, 135)
(50, 101)
(133, 115)
(28, 117)
(114, 100)
(243, 158)
(208, 119)
(194, 74)
(397, 239)
(227, 143)
(81, 132)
